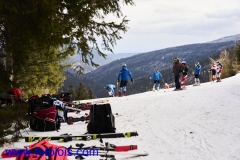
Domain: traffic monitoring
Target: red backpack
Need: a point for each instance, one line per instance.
(44, 150)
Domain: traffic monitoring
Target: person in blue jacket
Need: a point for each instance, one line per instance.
(110, 88)
(197, 73)
(156, 77)
(123, 75)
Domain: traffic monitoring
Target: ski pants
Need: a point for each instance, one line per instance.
(156, 82)
(123, 86)
(177, 82)
(183, 80)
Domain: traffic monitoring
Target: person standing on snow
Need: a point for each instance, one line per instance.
(110, 88)
(184, 75)
(177, 69)
(123, 76)
(197, 73)
(156, 77)
(213, 70)
(219, 71)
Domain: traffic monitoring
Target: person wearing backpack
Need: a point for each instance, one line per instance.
(123, 76)
(184, 74)
(156, 77)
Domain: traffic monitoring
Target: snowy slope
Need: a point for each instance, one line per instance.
(200, 123)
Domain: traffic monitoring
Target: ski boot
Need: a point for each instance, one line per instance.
(195, 84)
(119, 94)
(158, 88)
(153, 89)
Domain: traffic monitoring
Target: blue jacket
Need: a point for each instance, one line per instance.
(111, 87)
(124, 73)
(156, 75)
(197, 69)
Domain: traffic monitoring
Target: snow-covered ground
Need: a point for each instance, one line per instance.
(200, 123)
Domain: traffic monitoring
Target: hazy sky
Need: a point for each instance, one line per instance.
(158, 24)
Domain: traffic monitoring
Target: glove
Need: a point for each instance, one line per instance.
(150, 77)
(118, 80)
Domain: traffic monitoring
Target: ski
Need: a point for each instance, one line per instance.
(72, 120)
(109, 154)
(107, 147)
(74, 109)
(117, 89)
(67, 137)
(9, 153)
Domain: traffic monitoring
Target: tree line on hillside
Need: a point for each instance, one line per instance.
(81, 93)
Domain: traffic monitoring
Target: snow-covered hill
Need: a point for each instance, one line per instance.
(228, 38)
(200, 123)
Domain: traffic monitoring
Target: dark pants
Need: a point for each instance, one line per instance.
(123, 83)
(177, 82)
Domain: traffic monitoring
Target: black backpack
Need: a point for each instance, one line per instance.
(101, 119)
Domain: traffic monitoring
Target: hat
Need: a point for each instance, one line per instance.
(197, 63)
(124, 65)
(183, 62)
(175, 59)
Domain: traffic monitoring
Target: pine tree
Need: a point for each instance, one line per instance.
(90, 94)
(82, 92)
(71, 90)
(238, 53)
(28, 28)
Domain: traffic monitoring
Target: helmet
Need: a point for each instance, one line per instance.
(183, 62)
(124, 65)
(175, 59)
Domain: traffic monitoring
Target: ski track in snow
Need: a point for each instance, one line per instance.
(200, 123)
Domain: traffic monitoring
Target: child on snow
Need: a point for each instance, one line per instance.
(110, 88)
(184, 75)
(123, 75)
(219, 71)
(156, 77)
(213, 71)
(197, 73)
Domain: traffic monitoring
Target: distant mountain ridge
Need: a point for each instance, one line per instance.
(225, 39)
(76, 59)
(143, 64)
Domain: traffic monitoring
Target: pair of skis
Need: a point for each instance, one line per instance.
(109, 150)
(86, 137)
